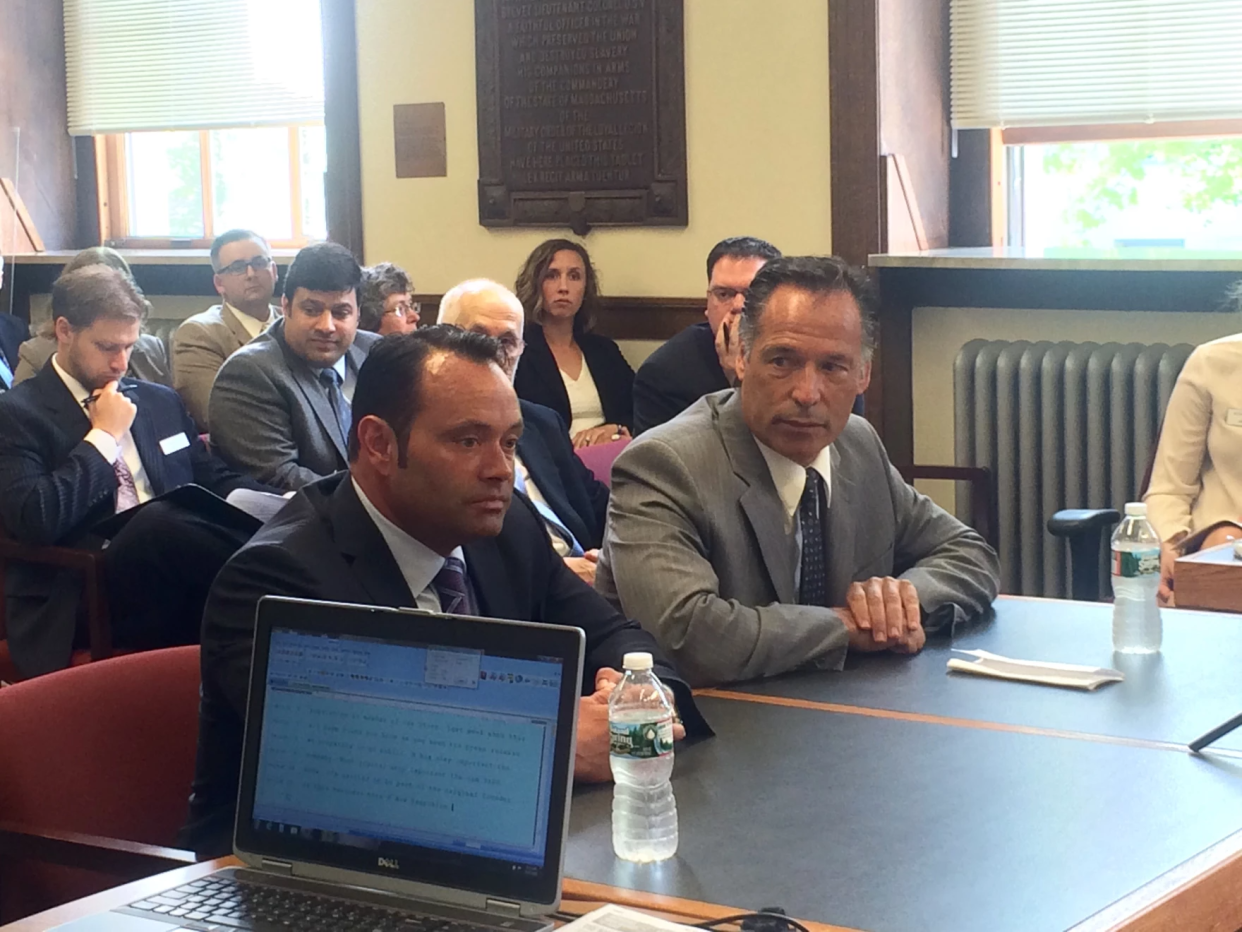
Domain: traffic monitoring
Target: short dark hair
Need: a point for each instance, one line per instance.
(391, 377)
(234, 236)
(323, 267)
(818, 275)
(85, 295)
(741, 247)
(378, 282)
(529, 284)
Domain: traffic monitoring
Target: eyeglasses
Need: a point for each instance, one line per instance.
(725, 295)
(405, 309)
(258, 263)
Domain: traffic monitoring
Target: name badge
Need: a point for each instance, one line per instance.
(180, 441)
(1233, 417)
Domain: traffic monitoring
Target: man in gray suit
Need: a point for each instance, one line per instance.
(280, 405)
(764, 529)
(245, 277)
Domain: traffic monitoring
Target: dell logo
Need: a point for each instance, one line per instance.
(390, 863)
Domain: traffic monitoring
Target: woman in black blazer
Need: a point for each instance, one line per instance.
(578, 374)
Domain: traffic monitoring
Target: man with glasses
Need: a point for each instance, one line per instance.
(245, 277)
(384, 302)
(571, 501)
(700, 360)
(280, 406)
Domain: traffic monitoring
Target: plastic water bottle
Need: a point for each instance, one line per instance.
(1136, 578)
(640, 725)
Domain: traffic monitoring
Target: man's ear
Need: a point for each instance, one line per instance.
(284, 305)
(865, 379)
(215, 280)
(377, 444)
(63, 330)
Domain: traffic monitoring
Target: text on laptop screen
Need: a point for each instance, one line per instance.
(366, 741)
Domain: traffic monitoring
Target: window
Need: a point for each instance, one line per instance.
(188, 186)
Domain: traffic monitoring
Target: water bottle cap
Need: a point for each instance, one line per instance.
(637, 660)
(1136, 509)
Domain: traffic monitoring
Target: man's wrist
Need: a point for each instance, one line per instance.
(104, 442)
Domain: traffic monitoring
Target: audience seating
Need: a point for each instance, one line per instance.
(599, 458)
(94, 776)
(87, 564)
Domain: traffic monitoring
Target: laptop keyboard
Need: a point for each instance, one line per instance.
(225, 904)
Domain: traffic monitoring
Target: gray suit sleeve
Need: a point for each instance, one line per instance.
(196, 358)
(956, 574)
(658, 559)
(251, 426)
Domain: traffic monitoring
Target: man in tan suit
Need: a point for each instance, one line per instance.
(245, 276)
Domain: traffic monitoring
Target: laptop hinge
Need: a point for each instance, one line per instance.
(276, 867)
(503, 907)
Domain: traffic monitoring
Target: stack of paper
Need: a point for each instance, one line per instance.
(1033, 671)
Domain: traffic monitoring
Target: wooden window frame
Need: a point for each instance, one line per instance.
(114, 219)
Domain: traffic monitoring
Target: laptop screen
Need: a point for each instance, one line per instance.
(365, 741)
(424, 748)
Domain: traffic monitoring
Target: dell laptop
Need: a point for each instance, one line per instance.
(402, 772)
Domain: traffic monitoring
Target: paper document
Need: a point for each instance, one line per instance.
(260, 505)
(612, 918)
(1072, 675)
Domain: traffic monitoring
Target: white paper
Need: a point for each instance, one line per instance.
(260, 505)
(612, 918)
(1075, 676)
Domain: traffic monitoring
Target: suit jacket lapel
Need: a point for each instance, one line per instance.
(760, 502)
(315, 395)
(364, 548)
(841, 529)
(66, 412)
(240, 334)
(494, 591)
(143, 432)
(544, 474)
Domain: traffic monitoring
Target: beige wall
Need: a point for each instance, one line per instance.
(756, 137)
(940, 332)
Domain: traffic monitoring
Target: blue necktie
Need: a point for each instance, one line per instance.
(549, 516)
(331, 380)
(813, 587)
(454, 591)
(6, 374)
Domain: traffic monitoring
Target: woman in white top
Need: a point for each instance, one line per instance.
(580, 375)
(1196, 480)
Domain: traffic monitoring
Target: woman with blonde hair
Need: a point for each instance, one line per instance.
(578, 374)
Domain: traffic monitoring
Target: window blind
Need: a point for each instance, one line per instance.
(1075, 62)
(135, 65)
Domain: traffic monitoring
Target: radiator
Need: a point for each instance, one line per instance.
(1061, 425)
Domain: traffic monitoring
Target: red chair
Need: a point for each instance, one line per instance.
(599, 458)
(95, 776)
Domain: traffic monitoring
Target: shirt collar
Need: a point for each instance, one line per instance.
(76, 389)
(418, 563)
(249, 324)
(790, 478)
(339, 366)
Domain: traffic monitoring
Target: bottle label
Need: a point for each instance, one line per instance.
(1133, 563)
(640, 739)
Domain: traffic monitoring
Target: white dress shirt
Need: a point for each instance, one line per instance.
(585, 408)
(790, 481)
(418, 563)
(107, 445)
(251, 325)
(559, 544)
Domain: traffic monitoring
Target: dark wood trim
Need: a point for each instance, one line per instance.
(126, 860)
(1119, 132)
(854, 124)
(621, 318)
(343, 179)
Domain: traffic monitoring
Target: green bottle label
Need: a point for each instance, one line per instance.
(640, 739)
(1132, 563)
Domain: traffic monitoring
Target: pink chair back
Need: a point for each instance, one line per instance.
(599, 458)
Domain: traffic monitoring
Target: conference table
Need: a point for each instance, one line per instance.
(895, 795)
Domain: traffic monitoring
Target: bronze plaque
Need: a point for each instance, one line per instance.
(418, 136)
(582, 114)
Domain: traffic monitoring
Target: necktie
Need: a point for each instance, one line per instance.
(6, 374)
(549, 516)
(454, 591)
(813, 589)
(331, 380)
(126, 491)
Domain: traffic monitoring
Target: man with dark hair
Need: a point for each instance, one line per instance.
(79, 443)
(245, 277)
(384, 302)
(425, 518)
(280, 405)
(700, 359)
(765, 529)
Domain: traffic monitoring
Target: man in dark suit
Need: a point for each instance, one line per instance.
(80, 443)
(426, 517)
(279, 408)
(13, 331)
(692, 364)
(572, 502)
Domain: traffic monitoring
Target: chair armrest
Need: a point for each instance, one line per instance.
(1072, 522)
(982, 494)
(68, 557)
(114, 856)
